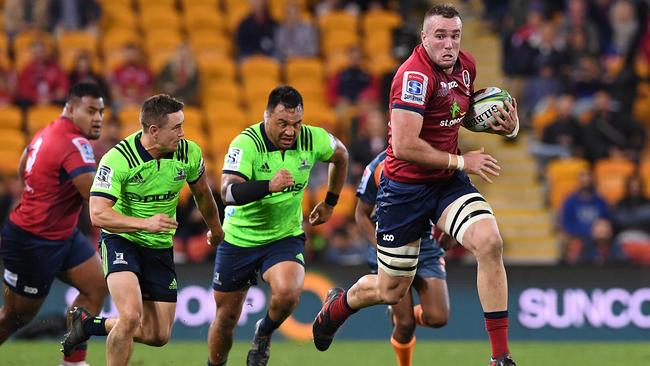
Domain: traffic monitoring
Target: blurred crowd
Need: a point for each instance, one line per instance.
(580, 70)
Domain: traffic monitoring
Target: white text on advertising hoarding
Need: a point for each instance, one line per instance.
(600, 308)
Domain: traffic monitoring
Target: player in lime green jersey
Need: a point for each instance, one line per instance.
(264, 176)
(133, 199)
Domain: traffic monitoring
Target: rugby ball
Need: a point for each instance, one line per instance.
(483, 107)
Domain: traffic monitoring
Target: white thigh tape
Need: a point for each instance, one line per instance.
(465, 211)
(398, 262)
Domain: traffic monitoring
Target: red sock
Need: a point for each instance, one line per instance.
(496, 324)
(78, 355)
(340, 310)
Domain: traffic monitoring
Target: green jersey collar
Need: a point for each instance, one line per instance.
(269, 145)
(144, 154)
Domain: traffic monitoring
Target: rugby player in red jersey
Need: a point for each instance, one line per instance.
(40, 240)
(426, 178)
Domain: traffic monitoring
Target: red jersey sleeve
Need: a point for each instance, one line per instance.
(411, 89)
(79, 157)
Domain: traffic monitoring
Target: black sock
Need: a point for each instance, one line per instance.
(95, 326)
(267, 326)
(216, 364)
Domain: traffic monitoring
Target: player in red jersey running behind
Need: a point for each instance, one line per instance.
(425, 178)
(40, 240)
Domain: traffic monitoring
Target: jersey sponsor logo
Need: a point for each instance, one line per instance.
(466, 79)
(361, 189)
(388, 237)
(295, 188)
(414, 87)
(265, 168)
(104, 177)
(10, 277)
(85, 149)
(233, 159)
(300, 257)
(134, 197)
(30, 290)
(180, 175)
(304, 165)
(454, 111)
(173, 285)
(119, 259)
(215, 278)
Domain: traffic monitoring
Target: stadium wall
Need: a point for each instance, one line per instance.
(545, 303)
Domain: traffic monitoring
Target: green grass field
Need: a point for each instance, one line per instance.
(345, 353)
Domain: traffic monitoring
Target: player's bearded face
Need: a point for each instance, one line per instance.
(283, 125)
(88, 114)
(441, 38)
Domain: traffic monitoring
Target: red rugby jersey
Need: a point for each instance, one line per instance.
(50, 203)
(442, 99)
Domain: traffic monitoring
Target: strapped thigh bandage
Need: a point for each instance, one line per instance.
(398, 262)
(465, 211)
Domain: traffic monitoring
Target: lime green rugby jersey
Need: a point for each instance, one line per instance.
(142, 186)
(252, 156)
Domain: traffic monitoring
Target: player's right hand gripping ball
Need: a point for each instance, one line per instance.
(483, 107)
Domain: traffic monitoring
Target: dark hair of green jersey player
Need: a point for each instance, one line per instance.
(265, 174)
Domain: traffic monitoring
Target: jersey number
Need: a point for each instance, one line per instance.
(32, 158)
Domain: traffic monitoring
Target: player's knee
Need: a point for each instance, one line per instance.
(435, 320)
(226, 320)
(286, 297)
(488, 245)
(130, 321)
(159, 339)
(393, 295)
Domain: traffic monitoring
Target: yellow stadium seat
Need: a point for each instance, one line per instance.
(236, 11)
(260, 67)
(610, 176)
(312, 92)
(277, 8)
(189, 4)
(204, 18)
(193, 118)
(321, 116)
(218, 115)
(298, 69)
(9, 163)
(118, 17)
(40, 116)
(226, 92)
(162, 39)
(542, 119)
(12, 140)
(11, 118)
(258, 90)
(380, 64)
(380, 20)
(78, 41)
(339, 40)
(336, 62)
(347, 199)
(115, 39)
(220, 138)
(205, 40)
(129, 120)
(214, 66)
(24, 40)
(169, 4)
(159, 17)
(565, 169)
(379, 42)
(560, 191)
(4, 52)
(340, 20)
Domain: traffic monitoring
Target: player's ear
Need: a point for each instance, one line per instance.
(266, 115)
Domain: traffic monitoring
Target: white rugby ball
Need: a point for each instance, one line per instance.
(483, 107)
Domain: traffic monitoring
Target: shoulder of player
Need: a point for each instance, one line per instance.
(467, 60)
(124, 152)
(309, 135)
(250, 138)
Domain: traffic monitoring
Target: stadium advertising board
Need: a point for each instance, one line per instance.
(545, 303)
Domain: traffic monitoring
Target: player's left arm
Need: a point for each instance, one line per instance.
(200, 188)
(508, 120)
(338, 171)
(208, 208)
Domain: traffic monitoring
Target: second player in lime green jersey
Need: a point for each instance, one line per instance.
(265, 174)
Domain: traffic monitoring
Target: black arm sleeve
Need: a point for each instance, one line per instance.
(247, 192)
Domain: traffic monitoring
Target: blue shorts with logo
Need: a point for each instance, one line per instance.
(153, 267)
(431, 261)
(238, 267)
(405, 209)
(31, 263)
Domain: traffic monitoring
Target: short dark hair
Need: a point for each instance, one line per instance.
(444, 10)
(156, 108)
(85, 89)
(286, 95)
